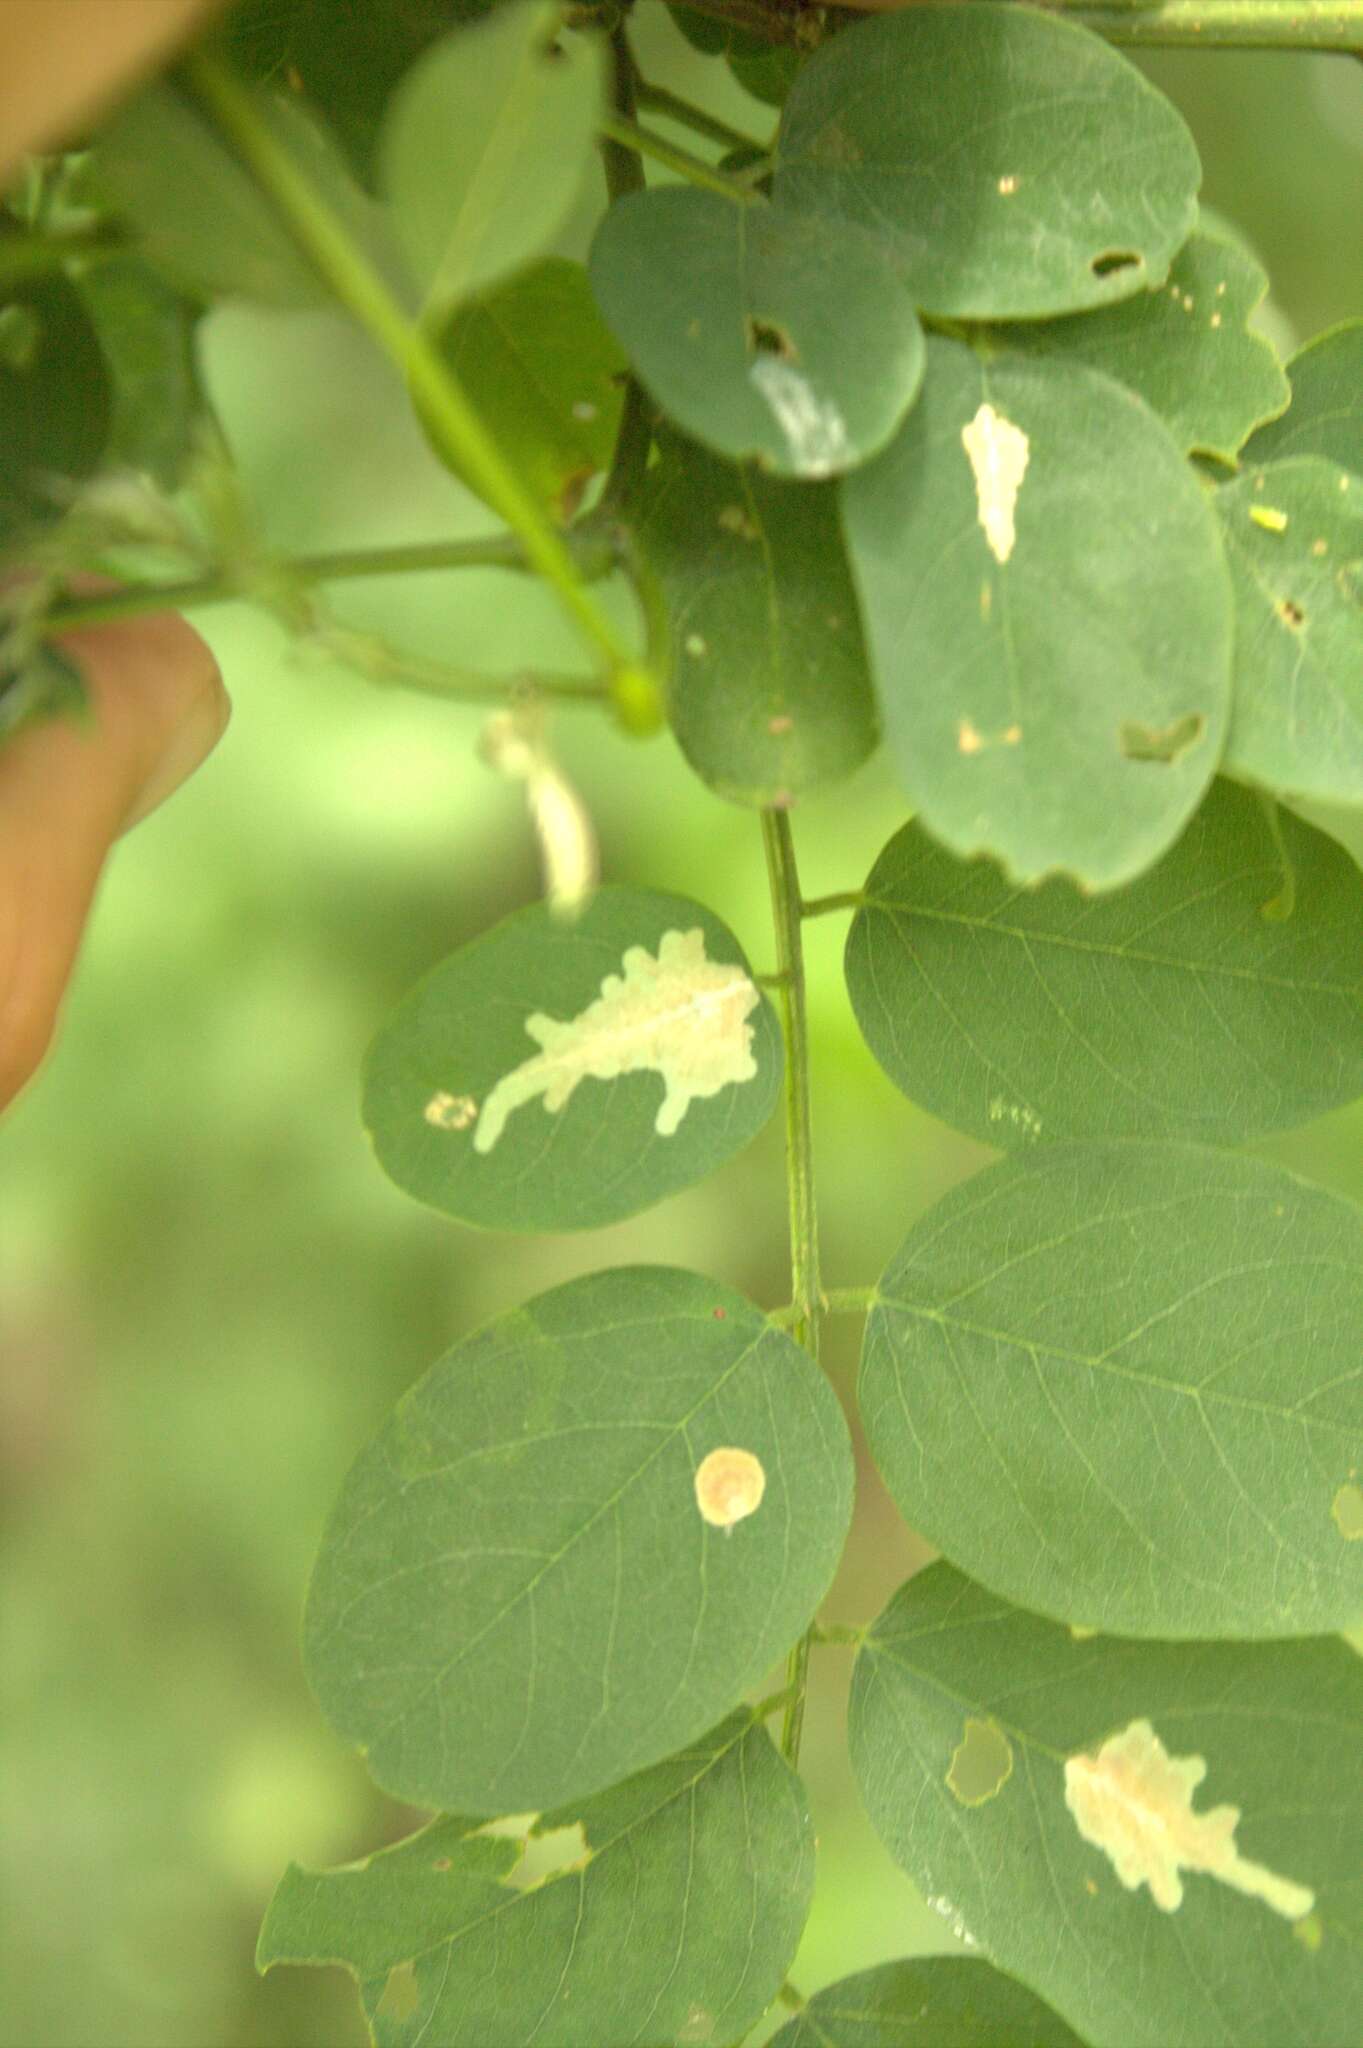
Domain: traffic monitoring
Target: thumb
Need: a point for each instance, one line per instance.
(67, 790)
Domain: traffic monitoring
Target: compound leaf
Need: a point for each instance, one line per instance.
(770, 695)
(1219, 996)
(678, 1914)
(1048, 615)
(555, 1076)
(485, 146)
(984, 1739)
(1185, 347)
(581, 1537)
(1294, 539)
(765, 333)
(927, 2002)
(1121, 1383)
(544, 375)
(936, 129)
(1326, 414)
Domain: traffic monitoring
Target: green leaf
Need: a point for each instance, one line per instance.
(1014, 165)
(767, 72)
(1326, 414)
(485, 148)
(1219, 996)
(928, 2002)
(1048, 616)
(146, 331)
(770, 696)
(675, 1921)
(1121, 1383)
(762, 332)
(664, 1077)
(1185, 347)
(200, 215)
(55, 401)
(969, 1719)
(1294, 539)
(544, 376)
(525, 1590)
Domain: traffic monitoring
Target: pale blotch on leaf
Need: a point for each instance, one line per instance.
(999, 454)
(814, 429)
(1025, 1121)
(697, 2028)
(450, 1112)
(679, 1015)
(1164, 743)
(730, 1484)
(401, 1993)
(1269, 517)
(981, 1763)
(1347, 1510)
(1135, 1802)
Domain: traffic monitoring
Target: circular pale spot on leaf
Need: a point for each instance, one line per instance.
(729, 1486)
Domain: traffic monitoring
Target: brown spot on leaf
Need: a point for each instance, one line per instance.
(1291, 614)
(769, 338)
(1111, 260)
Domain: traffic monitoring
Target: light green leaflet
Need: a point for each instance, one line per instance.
(1294, 538)
(1326, 414)
(539, 1576)
(1048, 615)
(544, 376)
(770, 695)
(953, 1684)
(1014, 165)
(762, 331)
(1218, 996)
(485, 146)
(554, 1076)
(682, 1907)
(1122, 1384)
(1185, 347)
(929, 2002)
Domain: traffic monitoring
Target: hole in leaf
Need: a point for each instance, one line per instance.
(981, 1763)
(551, 1854)
(766, 338)
(1347, 1512)
(1164, 743)
(1112, 260)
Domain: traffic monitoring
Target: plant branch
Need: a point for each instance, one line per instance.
(824, 906)
(615, 128)
(784, 881)
(451, 420)
(1187, 24)
(659, 100)
(849, 1301)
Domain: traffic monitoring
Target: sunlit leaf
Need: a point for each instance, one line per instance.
(554, 1076)
(581, 1537)
(770, 696)
(544, 375)
(1013, 164)
(1219, 996)
(55, 400)
(1048, 615)
(1227, 1953)
(763, 332)
(1185, 347)
(485, 147)
(1326, 414)
(1294, 539)
(929, 2002)
(1120, 1383)
(682, 1904)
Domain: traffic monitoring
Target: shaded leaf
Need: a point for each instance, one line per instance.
(1326, 414)
(1294, 539)
(1013, 164)
(544, 375)
(770, 695)
(1280, 1727)
(146, 332)
(679, 1913)
(55, 400)
(533, 1583)
(607, 1097)
(763, 332)
(1185, 347)
(485, 147)
(1121, 1383)
(927, 2002)
(1219, 996)
(1048, 616)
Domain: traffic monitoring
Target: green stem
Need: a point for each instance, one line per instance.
(1228, 24)
(644, 142)
(823, 906)
(784, 881)
(24, 256)
(850, 1301)
(450, 419)
(659, 100)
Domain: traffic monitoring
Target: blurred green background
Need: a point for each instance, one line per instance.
(209, 1297)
